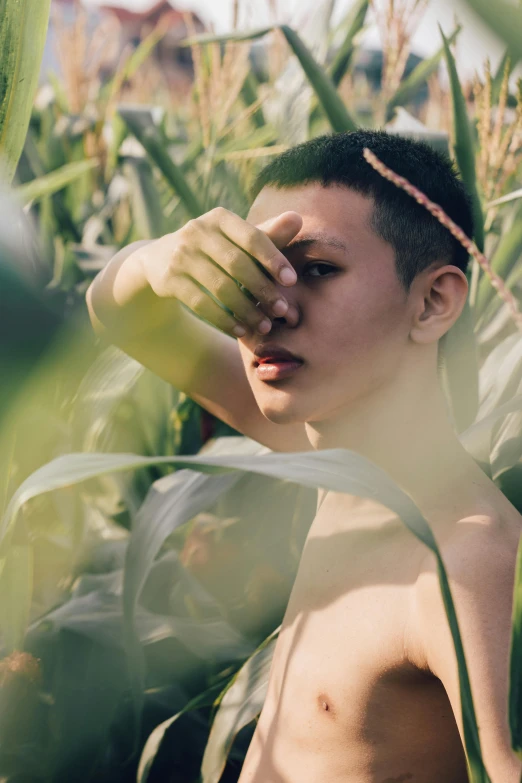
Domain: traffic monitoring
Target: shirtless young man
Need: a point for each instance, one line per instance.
(363, 686)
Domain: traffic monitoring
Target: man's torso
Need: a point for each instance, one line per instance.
(349, 699)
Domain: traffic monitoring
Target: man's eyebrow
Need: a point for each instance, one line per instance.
(317, 238)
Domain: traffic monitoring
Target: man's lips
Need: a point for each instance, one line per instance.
(273, 363)
(270, 353)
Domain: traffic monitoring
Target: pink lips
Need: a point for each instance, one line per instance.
(275, 362)
(276, 370)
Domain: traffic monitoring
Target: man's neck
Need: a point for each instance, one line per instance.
(406, 430)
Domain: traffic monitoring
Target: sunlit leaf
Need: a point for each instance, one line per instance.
(140, 123)
(23, 29)
(515, 661)
(506, 255)
(155, 739)
(239, 705)
(339, 470)
(505, 19)
(327, 95)
(343, 57)
(56, 180)
(16, 577)
(516, 194)
(420, 74)
(146, 205)
(463, 144)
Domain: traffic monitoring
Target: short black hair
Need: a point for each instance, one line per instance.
(417, 237)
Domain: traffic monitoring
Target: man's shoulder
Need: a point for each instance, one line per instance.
(479, 557)
(489, 537)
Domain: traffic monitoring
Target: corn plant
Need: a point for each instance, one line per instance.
(138, 493)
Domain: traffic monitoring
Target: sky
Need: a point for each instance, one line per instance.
(475, 41)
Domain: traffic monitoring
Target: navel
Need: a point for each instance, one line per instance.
(325, 704)
(401, 779)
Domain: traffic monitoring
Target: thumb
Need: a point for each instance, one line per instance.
(282, 228)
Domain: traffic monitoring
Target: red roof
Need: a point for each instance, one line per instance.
(157, 11)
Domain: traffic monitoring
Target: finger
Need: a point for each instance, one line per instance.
(232, 262)
(202, 305)
(257, 244)
(224, 288)
(282, 228)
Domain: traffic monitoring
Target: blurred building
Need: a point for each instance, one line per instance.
(132, 27)
(135, 25)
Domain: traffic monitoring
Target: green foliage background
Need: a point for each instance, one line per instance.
(144, 575)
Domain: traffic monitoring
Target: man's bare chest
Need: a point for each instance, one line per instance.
(342, 680)
(346, 623)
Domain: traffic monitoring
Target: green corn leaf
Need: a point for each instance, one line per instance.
(118, 135)
(172, 501)
(154, 142)
(241, 702)
(417, 77)
(505, 19)
(328, 97)
(343, 57)
(516, 194)
(146, 206)
(250, 96)
(23, 29)
(462, 382)
(515, 661)
(460, 369)
(342, 60)
(205, 38)
(16, 577)
(496, 82)
(155, 739)
(339, 470)
(463, 145)
(506, 255)
(329, 100)
(56, 180)
(261, 137)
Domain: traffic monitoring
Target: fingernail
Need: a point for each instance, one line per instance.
(287, 275)
(239, 331)
(280, 307)
(292, 313)
(265, 326)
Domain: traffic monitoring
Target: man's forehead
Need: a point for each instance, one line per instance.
(329, 213)
(318, 238)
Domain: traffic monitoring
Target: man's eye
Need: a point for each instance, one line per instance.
(327, 267)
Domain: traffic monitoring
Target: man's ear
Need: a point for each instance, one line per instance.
(440, 298)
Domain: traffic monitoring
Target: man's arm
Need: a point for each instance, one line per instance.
(480, 562)
(193, 356)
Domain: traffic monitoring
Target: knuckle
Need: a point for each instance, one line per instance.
(197, 302)
(274, 259)
(218, 212)
(190, 228)
(267, 291)
(251, 240)
(182, 248)
(232, 260)
(220, 285)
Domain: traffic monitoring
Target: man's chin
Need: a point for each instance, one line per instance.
(287, 414)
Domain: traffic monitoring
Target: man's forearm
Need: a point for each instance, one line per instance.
(121, 304)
